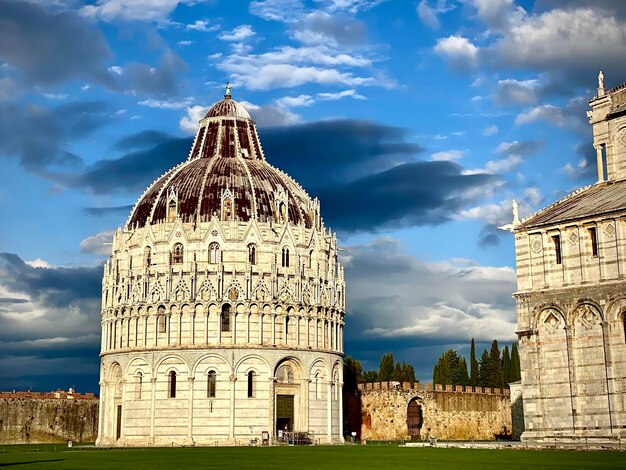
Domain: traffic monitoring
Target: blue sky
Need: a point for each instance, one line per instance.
(415, 122)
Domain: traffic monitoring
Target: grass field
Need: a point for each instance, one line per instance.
(347, 457)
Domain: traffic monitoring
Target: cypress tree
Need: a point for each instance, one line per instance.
(506, 367)
(515, 364)
(483, 370)
(495, 366)
(473, 378)
(386, 368)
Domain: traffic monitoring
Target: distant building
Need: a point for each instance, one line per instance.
(571, 295)
(222, 303)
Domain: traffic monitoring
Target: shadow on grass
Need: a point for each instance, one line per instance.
(3, 465)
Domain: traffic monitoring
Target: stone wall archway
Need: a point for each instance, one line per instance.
(414, 419)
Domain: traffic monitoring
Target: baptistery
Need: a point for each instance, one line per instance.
(222, 303)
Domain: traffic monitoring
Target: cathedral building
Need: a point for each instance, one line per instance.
(571, 295)
(222, 303)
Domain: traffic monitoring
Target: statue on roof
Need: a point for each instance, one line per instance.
(601, 81)
(228, 89)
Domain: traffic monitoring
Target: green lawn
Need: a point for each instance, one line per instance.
(347, 457)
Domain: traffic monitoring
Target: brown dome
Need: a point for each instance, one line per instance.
(226, 162)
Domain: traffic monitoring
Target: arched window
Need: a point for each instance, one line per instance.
(211, 382)
(171, 385)
(285, 258)
(214, 253)
(138, 385)
(250, 384)
(252, 253)
(317, 386)
(225, 318)
(177, 253)
(286, 328)
(171, 211)
(311, 259)
(162, 324)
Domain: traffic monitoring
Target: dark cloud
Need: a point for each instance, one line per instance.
(321, 27)
(336, 150)
(161, 80)
(50, 334)
(52, 47)
(133, 172)
(522, 148)
(489, 236)
(106, 211)
(37, 136)
(361, 171)
(610, 6)
(55, 287)
(141, 140)
(420, 193)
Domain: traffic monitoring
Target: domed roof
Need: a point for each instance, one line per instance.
(226, 162)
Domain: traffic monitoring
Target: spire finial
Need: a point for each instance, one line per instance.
(228, 89)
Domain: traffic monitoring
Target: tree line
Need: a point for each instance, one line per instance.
(388, 371)
(494, 369)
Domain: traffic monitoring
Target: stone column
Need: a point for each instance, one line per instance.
(273, 328)
(261, 315)
(180, 327)
(272, 407)
(156, 330)
(102, 412)
(340, 417)
(219, 328)
(317, 333)
(153, 382)
(192, 327)
(145, 330)
(206, 327)
(231, 427)
(190, 410)
(168, 327)
(249, 314)
(234, 327)
(607, 366)
(329, 413)
(298, 330)
(599, 162)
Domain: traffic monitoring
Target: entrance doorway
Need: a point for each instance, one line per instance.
(284, 413)
(414, 419)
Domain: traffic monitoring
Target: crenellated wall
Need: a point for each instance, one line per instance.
(448, 412)
(27, 417)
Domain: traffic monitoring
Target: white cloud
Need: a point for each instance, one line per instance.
(56, 96)
(533, 195)
(352, 93)
(286, 11)
(352, 6)
(428, 15)
(563, 39)
(203, 26)
(240, 33)
(393, 294)
(545, 112)
(491, 130)
(295, 101)
(116, 69)
(459, 51)
(136, 10)
(184, 43)
(98, 244)
(498, 14)
(38, 263)
(189, 122)
(180, 104)
(511, 91)
(448, 155)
